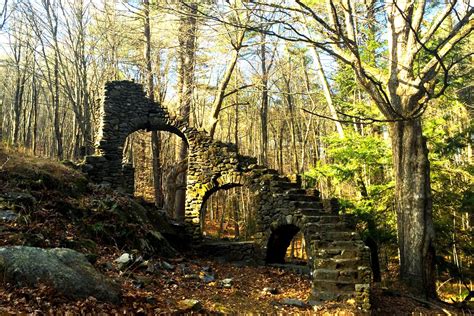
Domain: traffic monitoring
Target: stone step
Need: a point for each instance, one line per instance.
(340, 235)
(306, 204)
(301, 198)
(336, 263)
(338, 253)
(284, 184)
(335, 218)
(338, 244)
(325, 227)
(271, 171)
(333, 285)
(313, 192)
(323, 296)
(337, 275)
(341, 226)
(298, 191)
(325, 219)
(332, 236)
(325, 274)
(310, 211)
(295, 197)
(256, 167)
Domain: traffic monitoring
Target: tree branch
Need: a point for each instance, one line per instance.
(362, 120)
(238, 89)
(459, 32)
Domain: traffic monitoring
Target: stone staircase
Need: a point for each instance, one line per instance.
(338, 259)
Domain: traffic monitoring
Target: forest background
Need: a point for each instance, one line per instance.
(234, 70)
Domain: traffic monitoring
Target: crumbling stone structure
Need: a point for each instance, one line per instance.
(338, 258)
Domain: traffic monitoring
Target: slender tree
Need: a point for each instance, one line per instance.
(237, 36)
(155, 135)
(186, 78)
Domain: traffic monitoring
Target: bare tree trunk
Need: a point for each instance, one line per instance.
(293, 125)
(414, 206)
(20, 81)
(280, 151)
(52, 17)
(187, 59)
(57, 123)
(235, 205)
(157, 171)
(155, 136)
(217, 105)
(18, 105)
(34, 104)
(236, 122)
(264, 106)
(222, 220)
(327, 92)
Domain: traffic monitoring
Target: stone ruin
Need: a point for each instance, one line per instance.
(337, 257)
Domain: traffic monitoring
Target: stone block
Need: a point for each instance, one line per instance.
(326, 274)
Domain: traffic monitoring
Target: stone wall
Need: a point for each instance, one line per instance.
(337, 257)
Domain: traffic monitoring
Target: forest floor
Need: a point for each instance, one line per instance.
(66, 212)
(148, 294)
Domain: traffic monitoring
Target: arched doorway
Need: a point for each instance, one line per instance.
(279, 242)
(139, 152)
(227, 212)
(287, 239)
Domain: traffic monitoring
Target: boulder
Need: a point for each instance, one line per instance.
(65, 270)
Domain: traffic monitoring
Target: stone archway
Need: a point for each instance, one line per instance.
(336, 254)
(280, 235)
(279, 242)
(124, 109)
(219, 185)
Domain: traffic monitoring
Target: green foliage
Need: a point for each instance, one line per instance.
(452, 177)
(351, 158)
(349, 98)
(360, 162)
(447, 132)
(375, 216)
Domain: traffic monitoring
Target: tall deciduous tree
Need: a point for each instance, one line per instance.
(186, 76)
(155, 135)
(327, 92)
(417, 71)
(236, 36)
